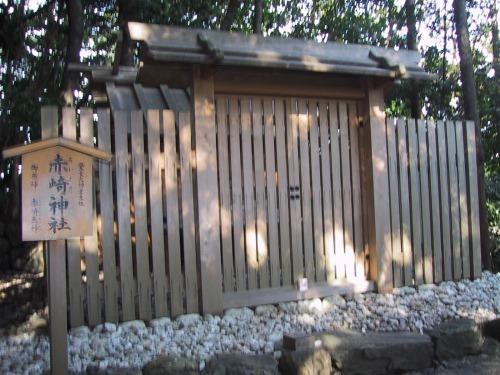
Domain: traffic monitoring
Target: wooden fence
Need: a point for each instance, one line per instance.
(433, 201)
(290, 203)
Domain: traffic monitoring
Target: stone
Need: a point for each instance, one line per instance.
(188, 320)
(306, 362)
(160, 322)
(336, 300)
(491, 329)
(456, 338)
(275, 338)
(266, 310)
(239, 364)
(288, 307)
(105, 328)
(171, 365)
(244, 314)
(79, 331)
(372, 353)
(134, 326)
(491, 347)
(95, 370)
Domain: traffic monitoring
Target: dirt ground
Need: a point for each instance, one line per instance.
(22, 303)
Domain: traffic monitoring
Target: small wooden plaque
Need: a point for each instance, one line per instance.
(56, 194)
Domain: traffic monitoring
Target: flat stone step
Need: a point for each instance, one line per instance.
(368, 354)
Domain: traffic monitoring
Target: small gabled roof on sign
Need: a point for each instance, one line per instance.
(167, 44)
(53, 142)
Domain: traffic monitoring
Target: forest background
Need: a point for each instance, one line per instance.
(38, 39)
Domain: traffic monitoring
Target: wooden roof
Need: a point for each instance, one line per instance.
(167, 44)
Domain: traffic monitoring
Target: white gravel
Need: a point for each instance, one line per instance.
(133, 344)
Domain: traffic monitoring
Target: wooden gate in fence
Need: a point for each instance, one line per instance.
(291, 202)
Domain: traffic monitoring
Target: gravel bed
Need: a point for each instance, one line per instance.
(259, 330)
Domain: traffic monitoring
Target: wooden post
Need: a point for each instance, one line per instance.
(56, 275)
(376, 189)
(202, 95)
(58, 319)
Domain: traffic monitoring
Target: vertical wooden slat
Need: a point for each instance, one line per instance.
(188, 227)
(454, 199)
(121, 120)
(156, 208)
(258, 146)
(56, 259)
(394, 201)
(366, 193)
(172, 211)
(284, 218)
(445, 200)
(470, 136)
(405, 198)
(435, 202)
(202, 95)
(337, 191)
(49, 119)
(107, 230)
(327, 192)
(415, 202)
(305, 189)
(237, 195)
(294, 189)
(250, 233)
(346, 190)
(75, 286)
(426, 211)
(90, 242)
(140, 216)
(356, 191)
(462, 199)
(225, 195)
(272, 209)
(380, 221)
(319, 249)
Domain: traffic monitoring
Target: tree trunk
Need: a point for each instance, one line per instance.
(228, 19)
(494, 41)
(75, 36)
(411, 39)
(257, 17)
(445, 50)
(125, 14)
(471, 112)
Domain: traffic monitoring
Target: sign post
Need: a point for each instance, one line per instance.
(57, 204)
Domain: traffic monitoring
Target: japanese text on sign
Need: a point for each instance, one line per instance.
(57, 198)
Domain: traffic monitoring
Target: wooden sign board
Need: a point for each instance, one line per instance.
(56, 194)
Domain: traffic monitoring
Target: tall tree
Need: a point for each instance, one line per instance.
(411, 40)
(230, 15)
(494, 40)
(74, 37)
(469, 97)
(126, 9)
(257, 17)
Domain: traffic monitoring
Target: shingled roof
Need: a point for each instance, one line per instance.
(167, 44)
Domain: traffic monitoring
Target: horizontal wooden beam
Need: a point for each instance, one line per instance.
(291, 293)
(279, 83)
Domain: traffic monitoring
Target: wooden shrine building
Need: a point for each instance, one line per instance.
(244, 164)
